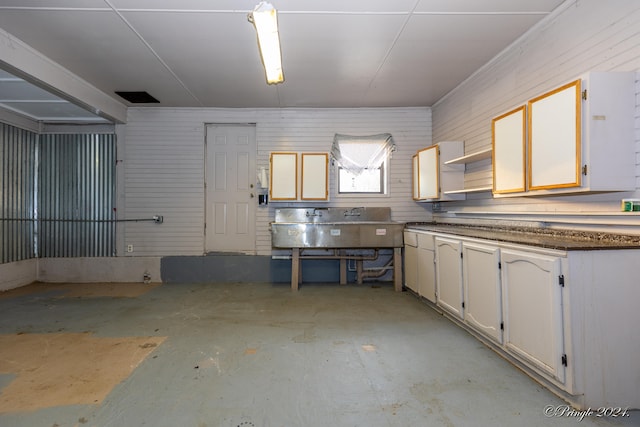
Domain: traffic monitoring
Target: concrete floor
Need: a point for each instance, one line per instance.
(245, 355)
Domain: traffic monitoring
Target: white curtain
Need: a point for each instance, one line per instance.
(357, 153)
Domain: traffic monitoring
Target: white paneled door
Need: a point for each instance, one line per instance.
(230, 188)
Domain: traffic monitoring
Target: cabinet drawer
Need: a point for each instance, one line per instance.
(425, 241)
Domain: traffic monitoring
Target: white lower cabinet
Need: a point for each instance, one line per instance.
(426, 267)
(449, 275)
(566, 317)
(419, 264)
(411, 261)
(482, 290)
(533, 317)
(508, 294)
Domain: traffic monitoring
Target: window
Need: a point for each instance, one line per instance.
(368, 181)
(362, 163)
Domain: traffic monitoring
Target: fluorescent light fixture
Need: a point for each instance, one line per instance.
(265, 18)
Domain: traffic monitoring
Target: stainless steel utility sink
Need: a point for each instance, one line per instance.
(335, 228)
(338, 229)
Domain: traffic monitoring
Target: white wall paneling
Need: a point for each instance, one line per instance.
(163, 165)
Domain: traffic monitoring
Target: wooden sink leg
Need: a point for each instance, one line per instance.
(295, 268)
(343, 269)
(397, 269)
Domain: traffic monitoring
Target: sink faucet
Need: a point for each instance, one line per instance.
(316, 212)
(352, 212)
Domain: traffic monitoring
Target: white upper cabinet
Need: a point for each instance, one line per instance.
(554, 138)
(579, 138)
(432, 177)
(315, 176)
(313, 173)
(508, 141)
(608, 159)
(414, 174)
(428, 173)
(283, 183)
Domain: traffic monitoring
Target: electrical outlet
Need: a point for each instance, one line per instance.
(129, 248)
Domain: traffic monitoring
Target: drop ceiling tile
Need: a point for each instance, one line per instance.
(459, 6)
(97, 46)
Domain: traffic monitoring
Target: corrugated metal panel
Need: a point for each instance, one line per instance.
(76, 184)
(17, 187)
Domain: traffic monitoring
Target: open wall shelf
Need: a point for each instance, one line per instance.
(469, 158)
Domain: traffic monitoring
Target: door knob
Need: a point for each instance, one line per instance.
(251, 195)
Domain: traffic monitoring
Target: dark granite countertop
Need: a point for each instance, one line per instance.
(568, 240)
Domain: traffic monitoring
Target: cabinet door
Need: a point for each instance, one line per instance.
(508, 143)
(449, 275)
(427, 274)
(410, 264)
(414, 177)
(533, 310)
(428, 173)
(315, 176)
(554, 138)
(426, 267)
(283, 184)
(483, 297)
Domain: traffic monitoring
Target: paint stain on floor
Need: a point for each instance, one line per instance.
(66, 368)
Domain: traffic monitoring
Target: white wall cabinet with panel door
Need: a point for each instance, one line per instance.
(449, 275)
(533, 310)
(315, 176)
(482, 289)
(433, 178)
(415, 192)
(283, 182)
(428, 177)
(286, 173)
(581, 136)
(509, 151)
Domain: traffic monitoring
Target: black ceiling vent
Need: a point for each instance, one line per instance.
(138, 97)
